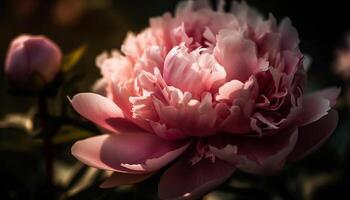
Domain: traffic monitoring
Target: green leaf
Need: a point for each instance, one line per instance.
(71, 59)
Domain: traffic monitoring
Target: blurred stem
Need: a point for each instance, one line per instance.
(47, 137)
(73, 122)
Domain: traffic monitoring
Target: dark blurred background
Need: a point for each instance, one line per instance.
(103, 24)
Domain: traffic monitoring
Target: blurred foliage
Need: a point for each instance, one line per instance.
(103, 24)
(71, 59)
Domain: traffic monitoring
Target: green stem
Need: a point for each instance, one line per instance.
(47, 139)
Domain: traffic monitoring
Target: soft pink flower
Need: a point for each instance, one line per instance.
(213, 91)
(31, 59)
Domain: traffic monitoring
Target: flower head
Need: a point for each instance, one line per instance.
(216, 91)
(32, 62)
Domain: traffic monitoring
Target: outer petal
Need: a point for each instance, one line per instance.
(331, 94)
(317, 105)
(132, 152)
(101, 111)
(185, 181)
(290, 38)
(314, 135)
(314, 107)
(262, 155)
(88, 151)
(117, 179)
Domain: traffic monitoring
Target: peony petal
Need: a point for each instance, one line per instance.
(290, 37)
(263, 155)
(167, 133)
(227, 90)
(317, 105)
(234, 114)
(130, 152)
(314, 135)
(331, 94)
(314, 107)
(101, 111)
(88, 151)
(183, 115)
(237, 54)
(192, 71)
(185, 181)
(117, 179)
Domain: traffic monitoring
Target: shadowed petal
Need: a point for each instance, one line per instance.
(256, 155)
(185, 181)
(101, 111)
(88, 151)
(131, 152)
(290, 38)
(331, 94)
(317, 105)
(237, 54)
(117, 179)
(314, 107)
(314, 135)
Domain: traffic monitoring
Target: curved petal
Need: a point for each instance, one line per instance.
(185, 181)
(228, 90)
(193, 71)
(263, 155)
(314, 107)
(317, 105)
(314, 135)
(290, 38)
(237, 54)
(237, 102)
(331, 94)
(132, 152)
(88, 151)
(117, 179)
(187, 115)
(101, 111)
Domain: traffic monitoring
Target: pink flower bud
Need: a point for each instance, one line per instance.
(32, 62)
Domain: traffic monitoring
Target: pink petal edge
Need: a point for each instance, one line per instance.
(118, 179)
(261, 156)
(102, 112)
(313, 135)
(185, 181)
(131, 152)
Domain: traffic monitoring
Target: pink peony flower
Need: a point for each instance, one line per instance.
(211, 91)
(32, 62)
